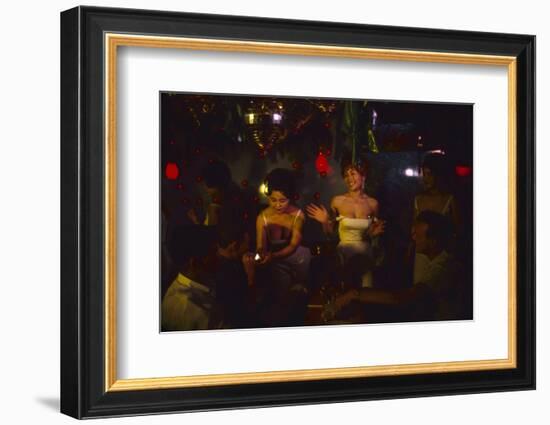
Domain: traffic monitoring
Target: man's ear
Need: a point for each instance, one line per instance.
(433, 244)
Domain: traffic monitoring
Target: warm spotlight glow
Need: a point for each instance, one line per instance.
(263, 189)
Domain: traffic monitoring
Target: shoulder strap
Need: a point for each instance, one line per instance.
(265, 227)
(447, 204)
(296, 216)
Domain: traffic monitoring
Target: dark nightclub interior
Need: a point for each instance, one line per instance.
(288, 211)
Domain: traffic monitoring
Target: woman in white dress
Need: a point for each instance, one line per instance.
(433, 198)
(355, 213)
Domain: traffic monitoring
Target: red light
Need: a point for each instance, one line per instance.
(244, 183)
(296, 197)
(198, 179)
(321, 164)
(172, 171)
(296, 165)
(463, 171)
(180, 186)
(317, 195)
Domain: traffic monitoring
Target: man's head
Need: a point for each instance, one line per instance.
(431, 233)
(217, 178)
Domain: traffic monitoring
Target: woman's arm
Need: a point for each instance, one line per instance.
(455, 216)
(332, 217)
(323, 216)
(402, 297)
(377, 226)
(261, 244)
(416, 210)
(295, 240)
(213, 215)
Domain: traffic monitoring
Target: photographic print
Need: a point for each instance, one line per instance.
(291, 210)
(294, 211)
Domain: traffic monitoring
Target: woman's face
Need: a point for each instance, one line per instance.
(214, 193)
(353, 179)
(278, 201)
(428, 178)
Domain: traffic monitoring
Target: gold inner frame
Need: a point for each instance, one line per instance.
(113, 41)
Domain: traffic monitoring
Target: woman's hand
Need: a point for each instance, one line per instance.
(376, 228)
(265, 259)
(249, 265)
(318, 213)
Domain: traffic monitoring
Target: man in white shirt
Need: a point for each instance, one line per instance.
(437, 291)
(436, 271)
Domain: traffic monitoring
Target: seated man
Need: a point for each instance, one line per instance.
(436, 271)
(189, 300)
(212, 288)
(436, 293)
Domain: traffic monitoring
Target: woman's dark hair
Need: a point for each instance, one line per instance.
(436, 163)
(281, 180)
(360, 164)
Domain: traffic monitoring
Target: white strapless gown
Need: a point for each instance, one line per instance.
(351, 232)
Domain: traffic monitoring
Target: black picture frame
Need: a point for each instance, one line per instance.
(83, 393)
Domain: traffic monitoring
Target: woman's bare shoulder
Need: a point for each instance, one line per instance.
(293, 209)
(373, 202)
(337, 200)
(266, 212)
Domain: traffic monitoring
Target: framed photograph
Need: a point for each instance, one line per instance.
(261, 212)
